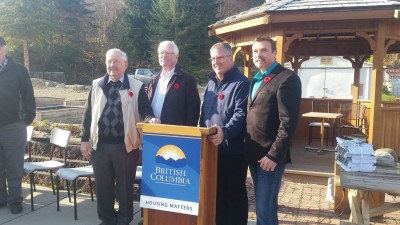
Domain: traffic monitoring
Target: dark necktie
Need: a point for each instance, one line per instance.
(111, 122)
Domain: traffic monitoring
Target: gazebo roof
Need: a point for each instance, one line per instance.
(274, 6)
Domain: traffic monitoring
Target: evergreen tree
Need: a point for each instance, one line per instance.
(71, 44)
(186, 23)
(25, 22)
(129, 30)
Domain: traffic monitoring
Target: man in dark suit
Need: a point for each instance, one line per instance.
(173, 93)
(273, 115)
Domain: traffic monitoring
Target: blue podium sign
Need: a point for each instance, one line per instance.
(171, 172)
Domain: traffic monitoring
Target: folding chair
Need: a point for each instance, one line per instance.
(353, 121)
(72, 174)
(59, 139)
(29, 131)
(318, 106)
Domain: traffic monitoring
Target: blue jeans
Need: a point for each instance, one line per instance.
(266, 190)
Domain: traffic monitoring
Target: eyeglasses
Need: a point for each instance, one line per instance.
(213, 59)
(165, 53)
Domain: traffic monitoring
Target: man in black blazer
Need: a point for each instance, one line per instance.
(273, 115)
(173, 93)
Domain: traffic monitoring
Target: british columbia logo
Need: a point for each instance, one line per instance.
(171, 161)
(171, 155)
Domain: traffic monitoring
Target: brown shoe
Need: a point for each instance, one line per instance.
(16, 207)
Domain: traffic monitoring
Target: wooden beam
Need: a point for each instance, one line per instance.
(329, 48)
(241, 25)
(284, 17)
(387, 208)
(396, 14)
(247, 65)
(290, 40)
(236, 50)
(393, 37)
(371, 41)
(388, 44)
(241, 44)
(356, 76)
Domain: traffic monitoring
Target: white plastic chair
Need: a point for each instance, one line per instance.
(59, 138)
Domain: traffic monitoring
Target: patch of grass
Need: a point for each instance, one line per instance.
(386, 97)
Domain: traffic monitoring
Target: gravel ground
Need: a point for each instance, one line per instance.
(67, 93)
(44, 88)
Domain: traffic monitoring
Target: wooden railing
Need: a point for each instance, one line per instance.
(390, 136)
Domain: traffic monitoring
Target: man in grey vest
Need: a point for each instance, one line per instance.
(109, 136)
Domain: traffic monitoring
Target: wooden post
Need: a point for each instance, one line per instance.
(280, 55)
(375, 131)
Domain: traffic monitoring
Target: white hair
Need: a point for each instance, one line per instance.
(165, 43)
(119, 52)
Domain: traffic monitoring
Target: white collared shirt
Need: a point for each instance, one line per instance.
(161, 91)
(120, 79)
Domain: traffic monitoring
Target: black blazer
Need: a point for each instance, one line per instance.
(272, 117)
(182, 101)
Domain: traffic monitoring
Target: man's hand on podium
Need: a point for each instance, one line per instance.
(217, 138)
(155, 121)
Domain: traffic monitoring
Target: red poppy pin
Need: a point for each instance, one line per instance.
(130, 93)
(177, 86)
(267, 79)
(221, 96)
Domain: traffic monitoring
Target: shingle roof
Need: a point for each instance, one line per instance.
(306, 5)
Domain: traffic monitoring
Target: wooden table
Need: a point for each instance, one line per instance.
(322, 116)
(360, 186)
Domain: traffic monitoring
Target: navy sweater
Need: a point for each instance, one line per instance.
(225, 105)
(17, 102)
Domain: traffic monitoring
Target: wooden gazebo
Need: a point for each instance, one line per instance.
(354, 29)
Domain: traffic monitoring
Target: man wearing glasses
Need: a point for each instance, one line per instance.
(173, 93)
(225, 107)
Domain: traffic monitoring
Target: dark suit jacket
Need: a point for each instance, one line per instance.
(272, 117)
(182, 101)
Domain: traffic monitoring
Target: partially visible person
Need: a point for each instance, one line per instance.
(225, 107)
(115, 104)
(173, 93)
(17, 110)
(273, 115)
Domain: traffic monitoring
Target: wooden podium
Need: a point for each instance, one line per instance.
(208, 177)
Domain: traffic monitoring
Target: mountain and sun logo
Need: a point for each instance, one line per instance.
(171, 155)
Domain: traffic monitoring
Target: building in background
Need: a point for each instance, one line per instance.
(332, 77)
(392, 81)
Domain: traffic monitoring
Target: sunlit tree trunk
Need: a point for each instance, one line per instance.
(26, 53)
